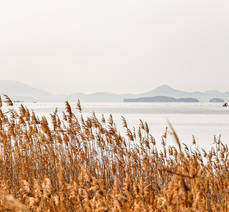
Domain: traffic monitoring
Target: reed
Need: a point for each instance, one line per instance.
(77, 163)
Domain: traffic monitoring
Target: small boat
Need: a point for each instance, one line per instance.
(225, 105)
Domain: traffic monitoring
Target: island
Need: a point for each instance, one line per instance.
(161, 99)
(215, 100)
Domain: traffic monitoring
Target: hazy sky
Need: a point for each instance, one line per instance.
(115, 45)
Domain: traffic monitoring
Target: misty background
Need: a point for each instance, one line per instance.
(117, 46)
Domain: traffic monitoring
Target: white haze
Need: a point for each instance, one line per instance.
(115, 45)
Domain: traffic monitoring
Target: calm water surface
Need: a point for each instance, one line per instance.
(203, 120)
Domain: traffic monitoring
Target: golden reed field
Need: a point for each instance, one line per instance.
(76, 163)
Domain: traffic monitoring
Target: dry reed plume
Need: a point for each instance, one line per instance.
(84, 164)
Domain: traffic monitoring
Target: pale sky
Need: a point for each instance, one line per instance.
(115, 45)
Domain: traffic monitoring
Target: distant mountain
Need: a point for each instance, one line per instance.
(163, 90)
(18, 91)
(166, 90)
(216, 100)
(23, 92)
(161, 99)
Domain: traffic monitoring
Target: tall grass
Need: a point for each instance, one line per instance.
(78, 163)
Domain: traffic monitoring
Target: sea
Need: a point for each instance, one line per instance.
(204, 121)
